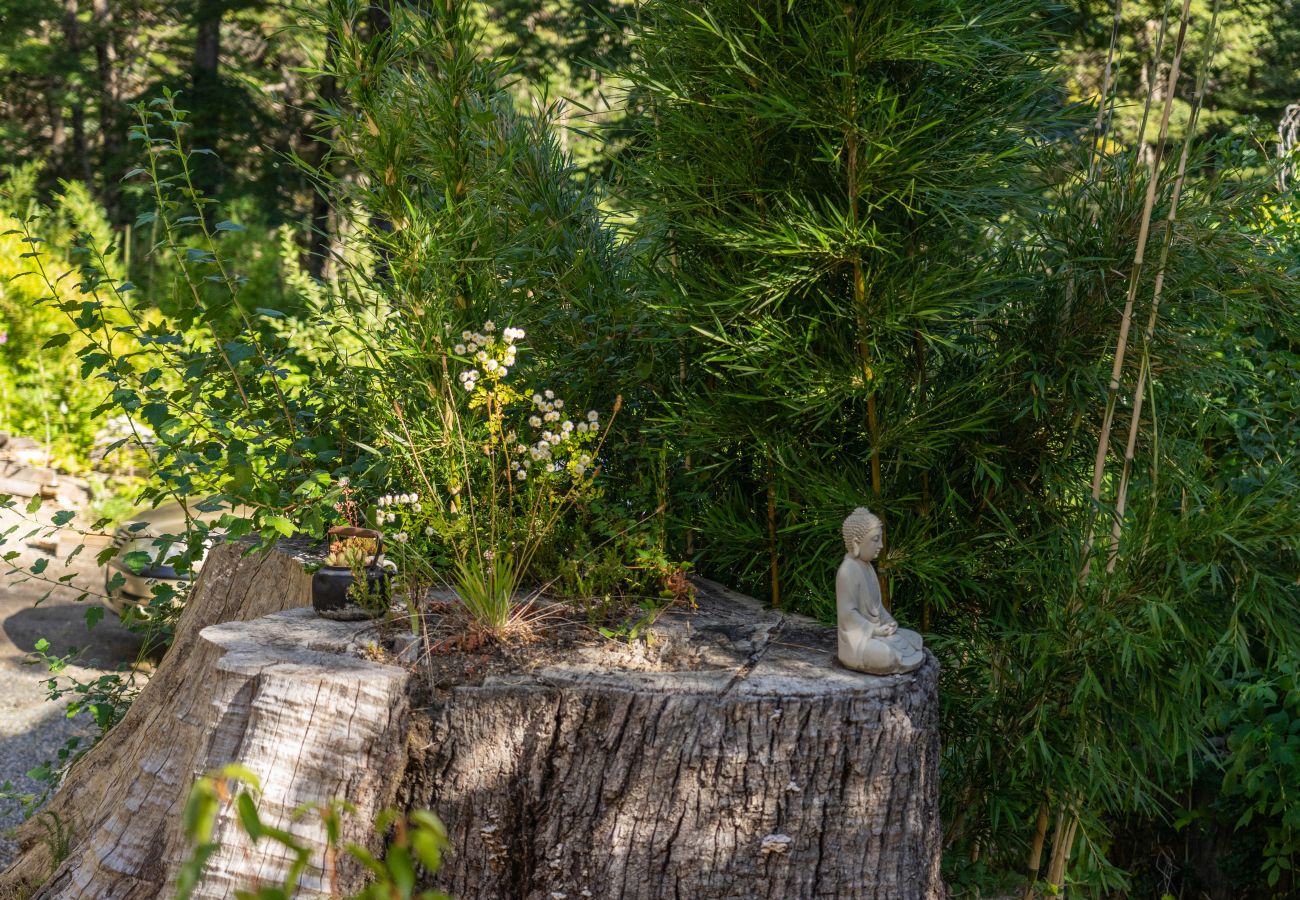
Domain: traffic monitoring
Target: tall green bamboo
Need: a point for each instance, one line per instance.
(885, 204)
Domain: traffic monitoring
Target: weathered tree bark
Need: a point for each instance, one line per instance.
(121, 802)
(729, 759)
(112, 128)
(734, 761)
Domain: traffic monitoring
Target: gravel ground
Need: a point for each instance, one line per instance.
(32, 729)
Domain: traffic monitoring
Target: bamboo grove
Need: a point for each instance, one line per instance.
(1017, 277)
(901, 270)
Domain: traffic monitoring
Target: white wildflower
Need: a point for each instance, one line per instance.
(550, 467)
(343, 482)
(535, 421)
(550, 395)
(466, 335)
(592, 416)
(510, 437)
(537, 399)
(401, 537)
(459, 349)
(489, 326)
(471, 347)
(428, 531)
(418, 507)
(579, 469)
(582, 428)
(566, 426)
(481, 355)
(521, 474)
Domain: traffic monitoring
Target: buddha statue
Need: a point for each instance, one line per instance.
(869, 639)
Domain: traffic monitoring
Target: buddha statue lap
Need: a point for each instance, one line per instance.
(869, 638)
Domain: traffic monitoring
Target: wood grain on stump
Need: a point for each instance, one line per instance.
(730, 758)
(122, 801)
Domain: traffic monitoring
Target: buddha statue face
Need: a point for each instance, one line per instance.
(863, 534)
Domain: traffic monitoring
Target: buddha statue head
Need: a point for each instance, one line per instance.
(863, 534)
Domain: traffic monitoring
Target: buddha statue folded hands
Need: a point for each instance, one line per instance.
(869, 638)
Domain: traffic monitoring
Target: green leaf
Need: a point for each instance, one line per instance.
(56, 341)
(248, 817)
(281, 524)
(93, 616)
(137, 561)
(402, 869)
(63, 517)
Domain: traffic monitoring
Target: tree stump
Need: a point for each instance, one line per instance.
(120, 804)
(734, 759)
(729, 758)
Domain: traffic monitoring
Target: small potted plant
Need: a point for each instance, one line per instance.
(353, 583)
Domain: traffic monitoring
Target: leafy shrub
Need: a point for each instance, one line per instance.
(1262, 723)
(42, 394)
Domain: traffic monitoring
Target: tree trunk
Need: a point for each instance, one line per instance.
(121, 802)
(729, 758)
(76, 103)
(110, 102)
(734, 760)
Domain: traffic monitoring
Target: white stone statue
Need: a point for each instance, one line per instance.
(869, 639)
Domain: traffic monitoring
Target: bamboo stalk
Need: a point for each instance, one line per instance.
(1099, 135)
(1130, 448)
(1062, 850)
(1035, 862)
(1126, 318)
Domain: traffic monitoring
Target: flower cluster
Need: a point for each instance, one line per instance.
(561, 443)
(492, 354)
(386, 516)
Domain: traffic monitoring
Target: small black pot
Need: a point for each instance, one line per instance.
(330, 588)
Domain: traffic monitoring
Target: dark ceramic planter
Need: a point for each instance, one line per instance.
(331, 586)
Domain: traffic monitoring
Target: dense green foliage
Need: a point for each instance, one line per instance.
(891, 281)
(869, 257)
